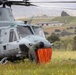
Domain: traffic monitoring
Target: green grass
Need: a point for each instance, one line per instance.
(36, 20)
(62, 63)
(65, 19)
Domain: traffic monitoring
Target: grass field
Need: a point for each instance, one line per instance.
(62, 63)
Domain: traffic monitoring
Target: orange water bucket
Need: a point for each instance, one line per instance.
(44, 55)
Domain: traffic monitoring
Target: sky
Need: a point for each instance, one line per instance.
(50, 9)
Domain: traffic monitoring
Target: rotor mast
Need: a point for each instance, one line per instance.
(6, 13)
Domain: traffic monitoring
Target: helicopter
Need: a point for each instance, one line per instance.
(16, 38)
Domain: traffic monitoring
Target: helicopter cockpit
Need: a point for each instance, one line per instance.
(24, 31)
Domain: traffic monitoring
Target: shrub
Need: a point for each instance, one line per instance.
(74, 43)
(53, 38)
(63, 44)
(75, 31)
(57, 30)
(58, 45)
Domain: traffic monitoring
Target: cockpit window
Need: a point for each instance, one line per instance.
(38, 30)
(24, 31)
(12, 36)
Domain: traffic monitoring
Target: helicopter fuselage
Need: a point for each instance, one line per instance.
(16, 38)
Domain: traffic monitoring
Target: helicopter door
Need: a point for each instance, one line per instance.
(1, 47)
(12, 47)
(0, 37)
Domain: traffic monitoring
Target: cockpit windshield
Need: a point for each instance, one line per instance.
(24, 31)
(38, 31)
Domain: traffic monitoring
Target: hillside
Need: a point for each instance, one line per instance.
(65, 19)
(69, 29)
(38, 19)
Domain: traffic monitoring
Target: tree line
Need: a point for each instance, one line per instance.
(62, 44)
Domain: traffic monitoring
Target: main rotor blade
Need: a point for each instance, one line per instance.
(0, 2)
(12, 1)
(70, 8)
(56, 7)
(24, 1)
(9, 3)
(53, 1)
(22, 4)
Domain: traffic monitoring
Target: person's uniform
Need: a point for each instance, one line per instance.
(32, 51)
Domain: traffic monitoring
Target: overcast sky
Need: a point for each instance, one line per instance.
(44, 8)
(49, 5)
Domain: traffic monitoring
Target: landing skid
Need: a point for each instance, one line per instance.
(4, 60)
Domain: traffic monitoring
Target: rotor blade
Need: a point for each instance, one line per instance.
(9, 3)
(53, 1)
(24, 1)
(3, 1)
(58, 6)
(0, 2)
(15, 2)
(70, 8)
(12, 1)
(22, 4)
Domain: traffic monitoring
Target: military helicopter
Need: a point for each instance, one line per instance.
(17, 38)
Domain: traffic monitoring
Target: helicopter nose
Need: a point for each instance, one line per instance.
(35, 39)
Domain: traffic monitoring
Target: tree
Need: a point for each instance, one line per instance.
(74, 43)
(75, 31)
(53, 38)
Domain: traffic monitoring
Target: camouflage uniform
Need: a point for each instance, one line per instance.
(32, 51)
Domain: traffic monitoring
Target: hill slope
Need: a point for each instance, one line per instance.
(65, 19)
